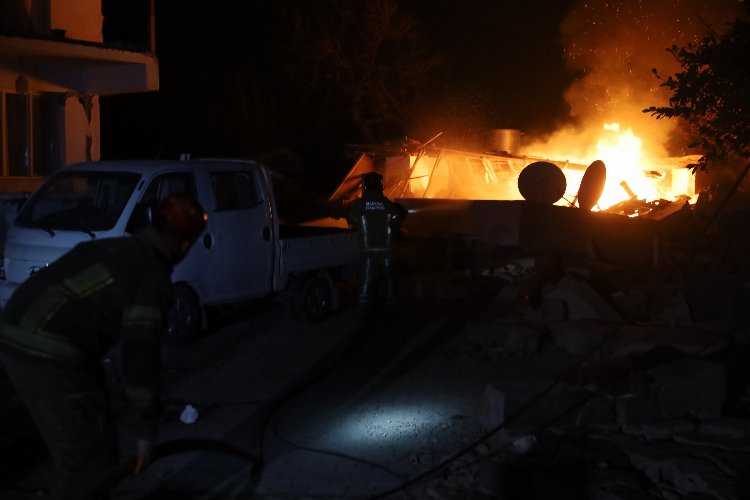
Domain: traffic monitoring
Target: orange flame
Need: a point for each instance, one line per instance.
(629, 173)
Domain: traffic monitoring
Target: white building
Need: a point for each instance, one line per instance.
(55, 63)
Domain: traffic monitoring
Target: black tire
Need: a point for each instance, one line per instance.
(311, 299)
(184, 317)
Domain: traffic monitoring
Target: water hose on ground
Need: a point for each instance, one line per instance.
(161, 450)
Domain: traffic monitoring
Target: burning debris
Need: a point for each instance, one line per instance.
(431, 172)
(638, 290)
(529, 203)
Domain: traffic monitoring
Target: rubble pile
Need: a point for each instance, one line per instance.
(656, 404)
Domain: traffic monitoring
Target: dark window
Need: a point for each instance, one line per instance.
(2, 133)
(32, 134)
(47, 126)
(166, 184)
(235, 190)
(127, 23)
(161, 187)
(17, 115)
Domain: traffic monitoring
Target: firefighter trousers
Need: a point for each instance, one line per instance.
(70, 406)
(378, 271)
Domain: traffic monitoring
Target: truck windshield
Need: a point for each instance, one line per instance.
(79, 201)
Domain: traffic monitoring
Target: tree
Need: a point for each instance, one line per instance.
(712, 94)
(361, 63)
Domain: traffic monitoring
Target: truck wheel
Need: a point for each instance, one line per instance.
(183, 317)
(312, 300)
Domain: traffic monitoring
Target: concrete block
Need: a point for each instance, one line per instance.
(499, 340)
(662, 430)
(582, 301)
(718, 298)
(579, 337)
(690, 387)
(633, 303)
(641, 339)
(675, 312)
(632, 412)
(725, 427)
(492, 408)
(685, 388)
(597, 411)
(554, 310)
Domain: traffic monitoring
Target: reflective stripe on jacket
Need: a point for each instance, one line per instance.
(378, 220)
(98, 294)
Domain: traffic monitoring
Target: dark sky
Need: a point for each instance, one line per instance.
(504, 60)
(535, 65)
(224, 92)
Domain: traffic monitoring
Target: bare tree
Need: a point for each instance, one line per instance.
(360, 62)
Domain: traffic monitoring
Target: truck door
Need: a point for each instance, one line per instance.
(159, 188)
(191, 267)
(241, 234)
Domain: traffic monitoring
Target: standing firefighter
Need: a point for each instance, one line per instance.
(60, 323)
(379, 222)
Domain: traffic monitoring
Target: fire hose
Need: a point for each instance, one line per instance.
(191, 445)
(161, 450)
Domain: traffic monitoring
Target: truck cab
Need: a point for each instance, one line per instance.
(238, 257)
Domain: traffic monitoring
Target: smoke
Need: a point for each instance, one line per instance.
(613, 46)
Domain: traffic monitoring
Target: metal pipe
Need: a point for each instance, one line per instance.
(628, 190)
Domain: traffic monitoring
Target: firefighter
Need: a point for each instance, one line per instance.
(378, 220)
(60, 323)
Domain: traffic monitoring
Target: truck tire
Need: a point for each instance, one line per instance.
(310, 299)
(184, 317)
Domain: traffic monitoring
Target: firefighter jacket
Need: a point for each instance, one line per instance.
(378, 220)
(98, 294)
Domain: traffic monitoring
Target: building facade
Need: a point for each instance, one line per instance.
(57, 58)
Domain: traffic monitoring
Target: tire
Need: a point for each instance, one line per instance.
(311, 299)
(184, 317)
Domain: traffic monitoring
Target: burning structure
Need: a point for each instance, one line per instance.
(506, 198)
(629, 167)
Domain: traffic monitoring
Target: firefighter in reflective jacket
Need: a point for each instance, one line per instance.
(59, 324)
(378, 220)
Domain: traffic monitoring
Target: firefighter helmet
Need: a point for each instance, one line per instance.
(180, 215)
(372, 181)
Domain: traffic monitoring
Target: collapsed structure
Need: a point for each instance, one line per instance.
(510, 200)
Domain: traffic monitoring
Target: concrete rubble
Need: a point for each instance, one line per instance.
(658, 405)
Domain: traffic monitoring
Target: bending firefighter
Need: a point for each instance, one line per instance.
(60, 323)
(379, 222)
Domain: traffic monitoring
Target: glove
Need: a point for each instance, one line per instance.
(143, 454)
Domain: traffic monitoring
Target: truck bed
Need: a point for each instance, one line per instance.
(290, 231)
(307, 248)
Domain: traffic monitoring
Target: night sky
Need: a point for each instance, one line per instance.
(231, 75)
(225, 91)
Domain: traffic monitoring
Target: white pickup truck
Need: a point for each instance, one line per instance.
(244, 253)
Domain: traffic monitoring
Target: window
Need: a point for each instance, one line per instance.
(17, 120)
(161, 187)
(46, 128)
(80, 201)
(501, 168)
(30, 134)
(234, 190)
(166, 184)
(127, 23)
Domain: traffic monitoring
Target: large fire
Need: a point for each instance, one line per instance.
(630, 174)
